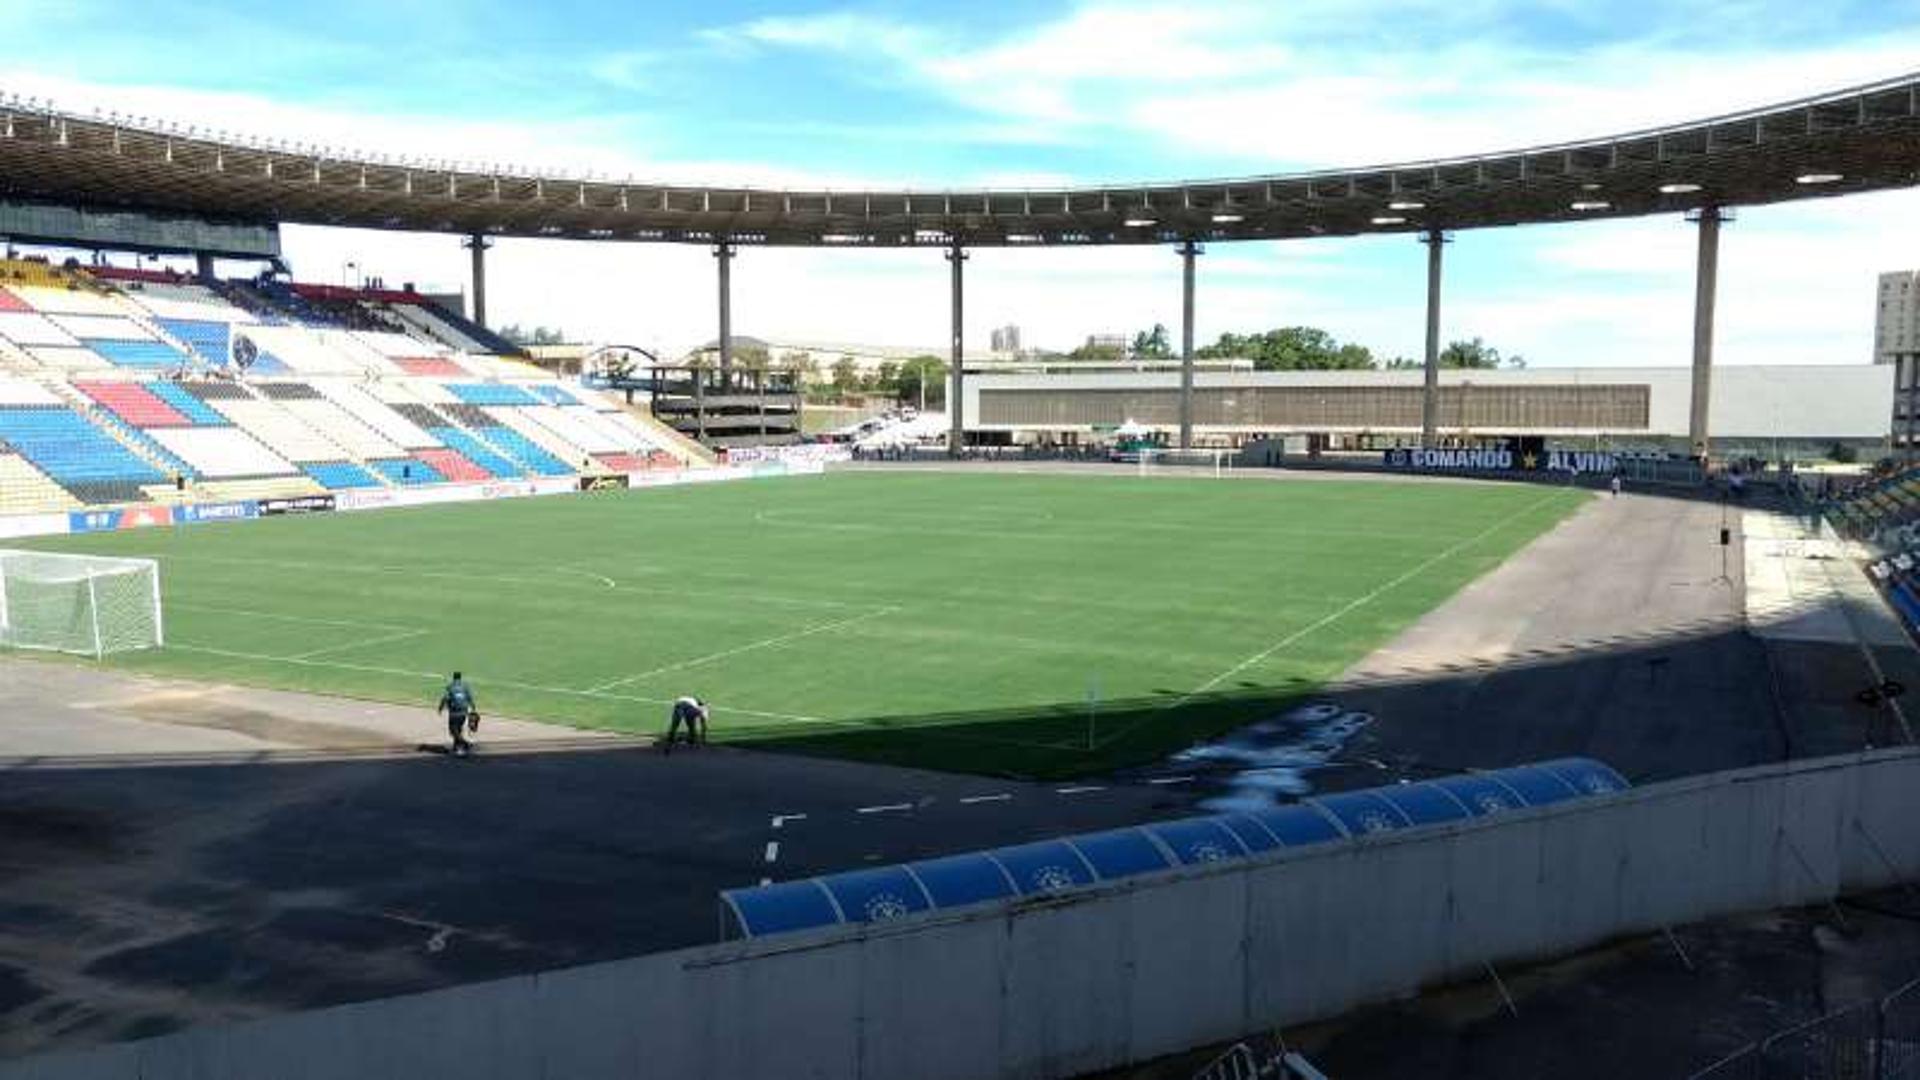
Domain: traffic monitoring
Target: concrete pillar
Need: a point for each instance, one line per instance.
(723, 253)
(1188, 249)
(478, 244)
(1705, 282)
(203, 265)
(956, 407)
(1430, 391)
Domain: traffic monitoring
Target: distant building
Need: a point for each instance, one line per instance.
(1006, 339)
(1896, 341)
(1108, 341)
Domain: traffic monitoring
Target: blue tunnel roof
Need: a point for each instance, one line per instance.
(884, 893)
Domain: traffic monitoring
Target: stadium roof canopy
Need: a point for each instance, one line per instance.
(1862, 139)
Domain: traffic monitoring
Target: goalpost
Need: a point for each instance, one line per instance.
(1211, 461)
(86, 604)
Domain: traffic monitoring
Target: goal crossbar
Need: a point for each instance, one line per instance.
(1213, 461)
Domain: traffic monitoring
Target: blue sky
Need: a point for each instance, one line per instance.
(952, 94)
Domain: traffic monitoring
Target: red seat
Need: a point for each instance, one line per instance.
(134, 404)
(453, 465)
(10, 302)
(431, 366)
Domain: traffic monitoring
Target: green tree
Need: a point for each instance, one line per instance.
(1098, 352)
(1290, 348)
(1152, 344)
(920, 374)
(1477, 354)
(846, 376)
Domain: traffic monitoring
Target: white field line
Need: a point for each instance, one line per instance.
(478, 577)
(251, 613)
(1171, 780)
(1341, 612)
(566, 691)
(782, 819)
(751, 646)
(773, 851)
(382, 639)
(887, 809)
(1078, 789)
(570, 691)
(972, 800)
(601, 578)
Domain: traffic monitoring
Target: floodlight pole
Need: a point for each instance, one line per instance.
(1188, 250)
(957, 434)
(1705, 283)
(1436, 242)
(478, 244)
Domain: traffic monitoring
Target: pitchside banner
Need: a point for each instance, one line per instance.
(132, 517)
(195, 513)
(1503, 460)
(298, 504)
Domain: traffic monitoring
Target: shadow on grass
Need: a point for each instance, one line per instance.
(1043, 742)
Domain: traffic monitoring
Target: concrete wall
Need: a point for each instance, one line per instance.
(1098, 979)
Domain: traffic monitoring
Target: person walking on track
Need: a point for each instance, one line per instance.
(463, 715)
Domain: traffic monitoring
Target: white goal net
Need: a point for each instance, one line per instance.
(84, 604)
(1207, 462)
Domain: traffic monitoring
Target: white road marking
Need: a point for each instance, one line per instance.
(1172, 780)
(1344, 610)
(782, 819)
(972, 799)
(1078, 789)
(889, 808)
(764, 643)
(773, 851)
(382, 639)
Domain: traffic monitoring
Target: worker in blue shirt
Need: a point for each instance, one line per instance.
(462, 714)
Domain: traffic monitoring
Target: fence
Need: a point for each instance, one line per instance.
(1874, 1040)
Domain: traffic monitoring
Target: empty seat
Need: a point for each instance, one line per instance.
(491, 394)
(524, 451)
(212, 342)
(148, 355)
(134, 403)
(340, 475)
(24, 489)
(453, 465)
(186, 404)
(222, 452)
(476, 452)
(74, 452)
(409, 471)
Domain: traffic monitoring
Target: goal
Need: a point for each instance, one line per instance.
(83, 604)
(1211, 461)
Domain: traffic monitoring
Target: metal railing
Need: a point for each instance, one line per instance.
(1874, 1040)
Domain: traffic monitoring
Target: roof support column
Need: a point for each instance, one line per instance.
(723, 254)
(1705, 283)
(1188, 250)
(1436, 242)
(478, 244)
(956, 404)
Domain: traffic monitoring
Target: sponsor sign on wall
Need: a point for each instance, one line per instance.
(298, 504)
(130, 517)
(616, 482)
(195, 513)
(801, 454)
(1503, 460)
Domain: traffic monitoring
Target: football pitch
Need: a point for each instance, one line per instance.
(1016, 624)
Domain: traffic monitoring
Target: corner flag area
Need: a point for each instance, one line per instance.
(1025, 625)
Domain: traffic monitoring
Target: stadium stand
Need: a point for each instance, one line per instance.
(129, 386)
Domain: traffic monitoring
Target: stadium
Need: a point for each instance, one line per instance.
(1163, 720)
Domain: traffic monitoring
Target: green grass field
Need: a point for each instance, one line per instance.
(1014, 624)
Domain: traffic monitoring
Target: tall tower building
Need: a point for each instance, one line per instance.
(1896, 341)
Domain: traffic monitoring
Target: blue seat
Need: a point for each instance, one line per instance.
(525, 451)
(71, 450)
(406, 471)
(340, 475)
(477, 452)
(186, 404)
(211, 341)
(491, 394)
(151, 355)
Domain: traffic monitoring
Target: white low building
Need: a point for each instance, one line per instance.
(1798, 403)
